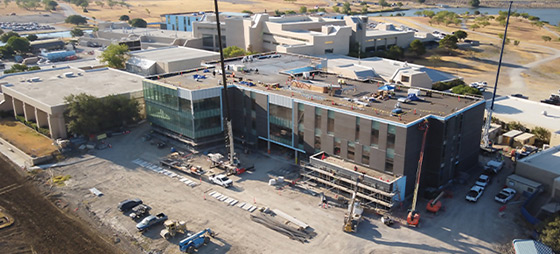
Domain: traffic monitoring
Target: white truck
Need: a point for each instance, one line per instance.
(494, 166)
(221, 180)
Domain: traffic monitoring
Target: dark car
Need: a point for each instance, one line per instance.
(128, 204)
(518, 95)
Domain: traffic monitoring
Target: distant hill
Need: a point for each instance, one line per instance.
(500, 3)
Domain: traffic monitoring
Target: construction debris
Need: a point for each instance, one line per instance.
(294, 234)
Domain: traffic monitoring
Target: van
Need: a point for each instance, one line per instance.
(494, 166)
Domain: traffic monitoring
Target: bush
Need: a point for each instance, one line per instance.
(442, 86)
(138, 23)
(76, 20)
(465, 90)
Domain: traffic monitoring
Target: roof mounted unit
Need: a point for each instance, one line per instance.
(69, 74)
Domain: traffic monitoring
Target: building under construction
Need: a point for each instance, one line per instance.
(292, 104)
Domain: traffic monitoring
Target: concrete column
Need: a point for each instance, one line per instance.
(42, 118)
(18, 107)
(8, 104)
(29, 112)
(56, 126)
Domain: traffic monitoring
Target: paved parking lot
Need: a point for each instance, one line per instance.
(462, 227)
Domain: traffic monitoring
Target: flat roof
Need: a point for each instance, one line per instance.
(53, 84)
(374, 32)
(360, 168)
(169, 54)
(547, 160)
(269, 72)
(529, 113)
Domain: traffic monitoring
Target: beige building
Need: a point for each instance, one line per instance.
(531, 114)
(39, 95)
(167, 60)
(298, 34)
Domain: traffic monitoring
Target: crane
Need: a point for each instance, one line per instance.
(229, 132)
(486, 145)
(414, 216)
(354, 215)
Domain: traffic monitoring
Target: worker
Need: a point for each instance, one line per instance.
(214, 73)
(256, 71)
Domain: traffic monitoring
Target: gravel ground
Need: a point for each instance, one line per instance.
(462, 228)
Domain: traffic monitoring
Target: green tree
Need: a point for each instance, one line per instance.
(346, 7)
(76, 20)
(461, 35)
(449, 42)
(124, 18)
(474, 27)
(21, 68)
(138, 22)
(418, 13)
(463, 89)
(546, 38)
(364, 10)
(233, 51)
(421, 1)
(247, 11)
(417, 47)
(399, 4)
(383, 3)
(6, 36)
(336, 9)
(115, 56)
(395, 52)
(302, 9)
(19, 44)
(475, 3)
(50, 5)
(76, 32)
(550, 234)
(6, 52)
(542, 134)
(516, 42)
(516, 126)
(32, 37)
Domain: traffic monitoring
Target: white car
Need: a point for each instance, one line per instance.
(475, 193)
(483, 181)
(221, 180)
(494, 166)
(505, 195)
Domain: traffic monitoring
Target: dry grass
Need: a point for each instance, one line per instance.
(25, 138)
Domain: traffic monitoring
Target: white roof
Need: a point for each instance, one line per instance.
(512, 133)
(529, 113)
(547, 160)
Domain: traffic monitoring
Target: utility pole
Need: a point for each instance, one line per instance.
(228, 131)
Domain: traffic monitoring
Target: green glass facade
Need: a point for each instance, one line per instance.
(166, 109)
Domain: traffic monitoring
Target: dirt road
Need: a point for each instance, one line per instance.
(41, 227)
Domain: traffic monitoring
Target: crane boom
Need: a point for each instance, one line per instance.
(485, 138)
(424, 125)
(228, 132)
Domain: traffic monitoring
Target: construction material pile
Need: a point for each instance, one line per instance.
(293, 233)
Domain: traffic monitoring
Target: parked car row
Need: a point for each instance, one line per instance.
(24, 26)
(484, 180)
(138, 211)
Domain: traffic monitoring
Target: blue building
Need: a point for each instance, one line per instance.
(182, 21)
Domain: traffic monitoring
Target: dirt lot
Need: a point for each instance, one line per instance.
(41, 227)
(25, 138)
(462, 228)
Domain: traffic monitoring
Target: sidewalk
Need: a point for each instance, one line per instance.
(11, 154)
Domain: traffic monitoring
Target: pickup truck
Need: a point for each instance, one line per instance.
(494, 166)
(139, 211)
(221, 180)
(150, 221)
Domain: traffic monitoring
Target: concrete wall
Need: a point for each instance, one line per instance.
(545, 177)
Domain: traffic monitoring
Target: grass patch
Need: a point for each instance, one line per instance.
(25, 138)
(60, 180)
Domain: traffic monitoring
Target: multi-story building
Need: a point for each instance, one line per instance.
(284, 102)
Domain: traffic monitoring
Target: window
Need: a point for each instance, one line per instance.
(317, 121)
(350, 154)
(405, 79)
(317, 143)
(329, 51)
(337, 146)
(301, 142)
(357, 129)
(207, 40)
(330, 122)
(390, 137)
(365, 155)
(374, 141)
(388, 165)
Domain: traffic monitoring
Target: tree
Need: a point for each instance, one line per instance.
(546, 38)
(32, 37)
(302, 9)
(421, 1)
(395, 52)
(124, 18)
(461, 35)
(247, 11)
(463, 89)
(21, 68)
(474, 27)
(138, 22)
(542, 134)
(364, 10)
(19, 44)
(516, 42)
(475, 3)
(76, 32)
(449, 42)
(115, 56)
(516, 126)
(346, 7)
(418, 13)
(76, 20)
(417, 47)
(550, 234)
(383, 3)
(399, 4)
(477, 12)
(6, 36)
(50, 5)
(233, 51)
(336, 9)
(6, 52)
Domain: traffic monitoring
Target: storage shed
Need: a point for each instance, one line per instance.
(509, 136)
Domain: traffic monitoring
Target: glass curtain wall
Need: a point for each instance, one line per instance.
(164, 108)
(280, 124)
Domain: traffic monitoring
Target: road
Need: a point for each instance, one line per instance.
(69, 11)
